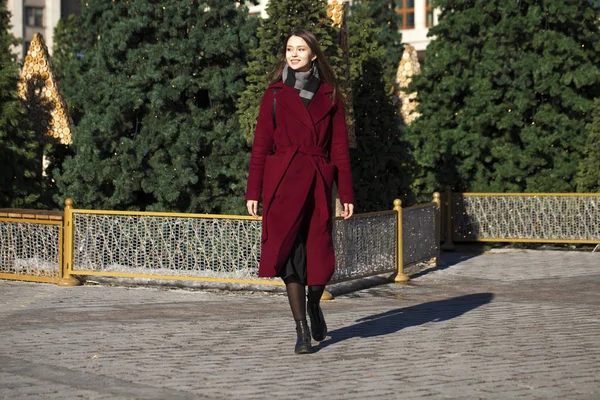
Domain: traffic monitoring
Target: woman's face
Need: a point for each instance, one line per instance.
(298, 54)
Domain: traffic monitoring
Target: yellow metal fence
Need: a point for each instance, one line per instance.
(522, 217)
(31, 245)
(421, 232)
(47, 246)
(157, 245)
(200, 247)
(365, 245)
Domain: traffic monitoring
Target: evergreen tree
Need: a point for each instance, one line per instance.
(284, 16)
(19, 175)
(67, 60)
(157, 131)
(381, 163)
(588, 178)
(75, 39)
(383, 13)
(504, 95)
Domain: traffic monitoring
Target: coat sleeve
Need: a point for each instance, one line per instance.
(261, 146)
(340, 155)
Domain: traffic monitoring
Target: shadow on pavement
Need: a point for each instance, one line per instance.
(451, 258)
(396, 320)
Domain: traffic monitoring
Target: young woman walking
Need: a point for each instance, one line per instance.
(300, 149)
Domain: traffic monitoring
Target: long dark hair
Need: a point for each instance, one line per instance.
(325, 71)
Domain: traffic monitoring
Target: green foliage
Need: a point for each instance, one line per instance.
(588, 177)
(157, 99)
(67, 55)
(381, 163)
(284, 16)
(383, 13)
(504, 95)
(75, 41)
(19, 175)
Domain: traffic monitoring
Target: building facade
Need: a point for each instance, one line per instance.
(41, 16)
(416, 17)
(38, 16)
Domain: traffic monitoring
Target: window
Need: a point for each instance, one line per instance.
(428, 13)
(406, 9)
(34, 16)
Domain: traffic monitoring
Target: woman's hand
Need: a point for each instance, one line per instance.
(252, 206)
(348, 210)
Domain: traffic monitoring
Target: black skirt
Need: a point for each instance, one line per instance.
(294, 269)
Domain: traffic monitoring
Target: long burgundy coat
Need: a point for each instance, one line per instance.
(294, 167)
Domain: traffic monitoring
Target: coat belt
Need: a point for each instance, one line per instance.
(308, 150)
(290, 152)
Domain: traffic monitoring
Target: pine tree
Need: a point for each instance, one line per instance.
(504, 95)
(75, 39)
(157, 131)
(383, 13)
(381, 163)
(67, 55)
(284, 16)
(588, 177)
(19, 175)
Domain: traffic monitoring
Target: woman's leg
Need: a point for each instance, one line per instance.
(294, 277)
(317, 321)
(315, 293)
(295, 291)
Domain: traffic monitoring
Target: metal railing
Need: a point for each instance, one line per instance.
(205, 247)
(522, 217)
(31, 245)
(159, 245)
(365, 245)
(421, 232)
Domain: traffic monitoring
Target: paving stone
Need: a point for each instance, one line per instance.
(521, 324)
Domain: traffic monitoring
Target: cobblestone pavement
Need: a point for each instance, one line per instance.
(518, 324)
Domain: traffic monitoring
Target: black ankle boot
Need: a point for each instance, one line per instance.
(303, 345)
(318, 326)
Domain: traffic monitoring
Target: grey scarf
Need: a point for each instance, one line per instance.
(306, 83)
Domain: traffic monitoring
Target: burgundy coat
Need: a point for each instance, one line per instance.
(294, 168)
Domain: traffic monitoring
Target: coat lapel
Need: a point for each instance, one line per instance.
(288, 98)
(321, 104)
(318, 108)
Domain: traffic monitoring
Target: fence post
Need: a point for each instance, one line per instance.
(67, 247)
(438, 230)
(448, 244)
(400, 277)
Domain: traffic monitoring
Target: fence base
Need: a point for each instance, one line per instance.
(401, 278)
(69, 280)
(326, 295)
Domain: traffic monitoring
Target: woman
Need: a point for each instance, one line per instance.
(300, 149)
